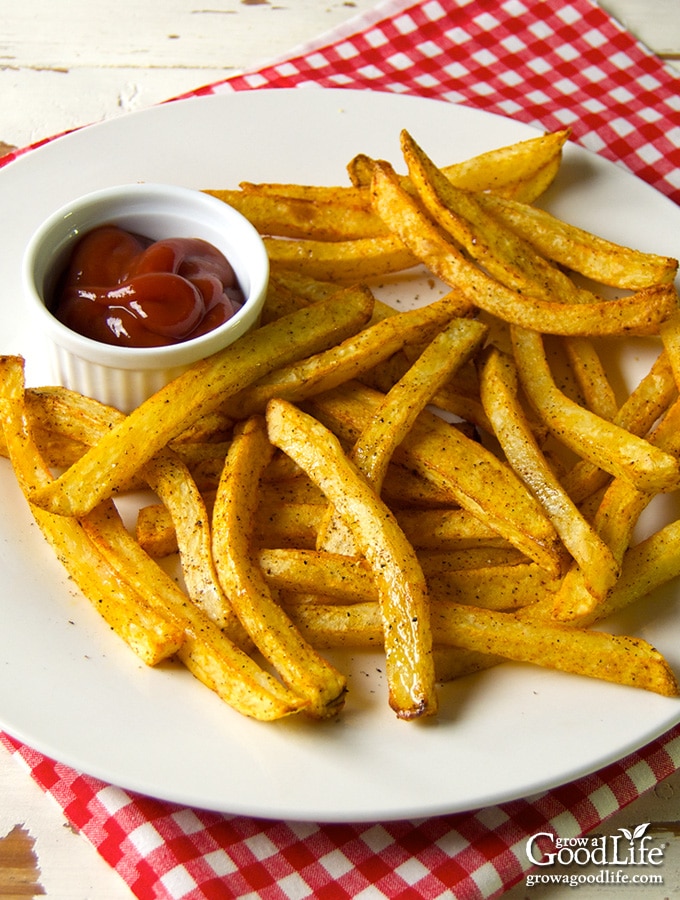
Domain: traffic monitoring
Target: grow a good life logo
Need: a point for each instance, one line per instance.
(627, 858)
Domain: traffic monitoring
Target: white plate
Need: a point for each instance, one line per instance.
(70, 689)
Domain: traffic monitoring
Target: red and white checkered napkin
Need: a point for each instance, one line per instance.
(169, 852)
(550, 65)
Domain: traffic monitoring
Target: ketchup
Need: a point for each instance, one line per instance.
(125, 289)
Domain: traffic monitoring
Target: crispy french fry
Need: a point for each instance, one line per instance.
(172, 481)
(670, 336)
(595, 257)
(153, 634)
(88, 421)
(298, 664)
(614, 520)
(604, 443)
(595, 654)
(401, 584)
(332, 219)
(499, 395)
(446, 353)
(322, 577)
(471, 475)
(165, 415)
(646, 566)
(395, 416)
(647, 402)
(591, 377)
(350, 358)
(206, 650)
(342, 261)
(507, 257)
(641, 313)
(522, 170)
(293, 524)
(338, 194)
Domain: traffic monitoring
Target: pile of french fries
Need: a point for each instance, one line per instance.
(348, 475)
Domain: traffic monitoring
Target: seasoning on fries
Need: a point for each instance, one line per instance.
(349, 475)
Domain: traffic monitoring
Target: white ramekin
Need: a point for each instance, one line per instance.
(120, 376)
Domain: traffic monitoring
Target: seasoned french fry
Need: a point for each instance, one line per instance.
(341, 261)
(604, 443)
(401, 584)
(507, 257)
(647, 566)
(88, 421)
(591, 377)
(499, 395)
(337, 194)
(471, 475)
(591, 255)
(172, 481)
(616, 516)
(595, 654)
(648, 401)
(350, 358)
(522, 170)
(298, 664)
(153, 634)
(641, 313)
(206, 650)
(332, 219)
(398, 411)
(165, 415)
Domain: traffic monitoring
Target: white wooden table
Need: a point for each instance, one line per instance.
(67, 65)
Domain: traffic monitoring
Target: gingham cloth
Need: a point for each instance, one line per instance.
(548, 64)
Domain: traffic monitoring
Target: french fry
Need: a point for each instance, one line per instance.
(670, 337)
(298, 664)
(580, 251)
(401, 584)
(349, 359)
(647, 402)
(88, 421)
(641, 313)
(171, 480)
(475, 581)
(646, 566)
(332, 219)
(348, 579)
(508, 258)
(604, 443)
(165, 415)
(470, 474)
(591, 377)
(395, 416)
(338, 195)
(614, 520)
(595, 654)
(522, 170)
(445, 354)
(498, 587)
(206, 650)
(346, 262)
(295, 524)
(499, 395)
(153, 634)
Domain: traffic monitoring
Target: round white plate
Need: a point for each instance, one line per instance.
(70, 688)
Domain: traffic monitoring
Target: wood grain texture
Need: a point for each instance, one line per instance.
(19, 870)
